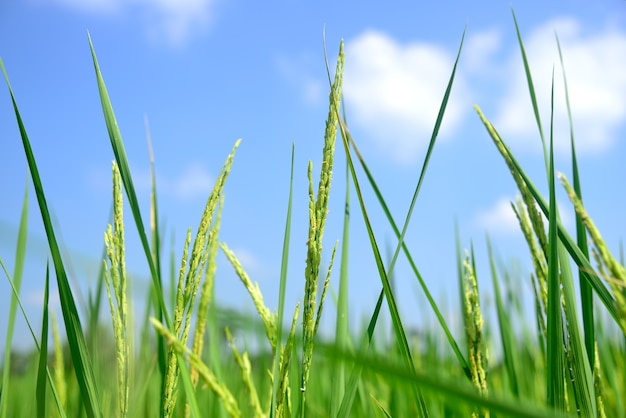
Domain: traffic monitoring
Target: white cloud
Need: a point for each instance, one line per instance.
(253, 265)
(193, 182)
(596, 77)
(247, 259)
(174, 20)
(177, 19)
(36, 297)
(393, 91)
(500, 219)
(479, 50)
(297, 72)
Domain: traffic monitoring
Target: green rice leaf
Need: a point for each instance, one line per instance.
(189, 387)
(581, 261)
(76, 340)
(586, 292)
(531, 87)
(453, 343)
(455, 391)
(342, 332)
(32, 333)
(403, 345)
(281, 293)
(122, 161)
(20, 255)
(507, 337)
(43, 353)
(556, 362)
(357, 369)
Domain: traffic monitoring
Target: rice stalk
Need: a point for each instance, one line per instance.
(318, 209)
(206, 294)
(206, 375)
(477, 352)
(59, 376)
(598, 384)
(193, 267)
(243, 361)
(115, 279)
(615, 270)
(269, 319)
(522, 212)
(283, 395)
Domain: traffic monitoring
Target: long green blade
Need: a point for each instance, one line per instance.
(283, 288)
(436, 384)
(453, 343)
(117, 145)
(586, 292)
(32, 333)
(581, 261)
(20, 255)
(357, 369)
(511, 360)
(342, 332)
(555, 374)
(531, 88)
(400, 335)
(76, 339)
(43, 353)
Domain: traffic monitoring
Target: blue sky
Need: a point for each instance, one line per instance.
(207, 72)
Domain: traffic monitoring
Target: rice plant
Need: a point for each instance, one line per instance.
(182, 358)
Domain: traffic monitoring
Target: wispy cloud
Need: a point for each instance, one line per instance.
(596, 78)
(256, 268)
(500, 219)
(174, 21)
(34, 298)
(194, 181)
(480, 49)
(296, 70)
(393, 91)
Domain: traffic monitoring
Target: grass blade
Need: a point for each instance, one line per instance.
(439, 385)
(453, 343)
(20, 255)
(400, 335)
(586, 292)
(531, 88)
(507, 337)
(555, 374)
(581, 261)
(282, 291)
(32, 333)
(122, 162)
(43, 353)
(76, 340)
(357, 369)
(342, 333)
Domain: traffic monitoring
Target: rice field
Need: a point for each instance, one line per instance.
(182, 361)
